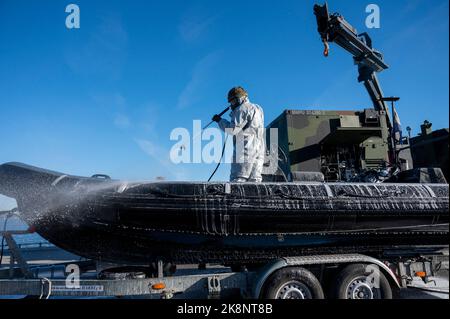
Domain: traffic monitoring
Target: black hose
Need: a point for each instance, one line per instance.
(221, 156)
(223, 150)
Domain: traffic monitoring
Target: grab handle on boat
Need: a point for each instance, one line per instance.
(101, 176)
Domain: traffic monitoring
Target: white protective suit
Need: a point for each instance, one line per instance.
(247, 128)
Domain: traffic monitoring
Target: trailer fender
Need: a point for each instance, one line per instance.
(264, 273)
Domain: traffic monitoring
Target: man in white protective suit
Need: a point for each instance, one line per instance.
(247, 128)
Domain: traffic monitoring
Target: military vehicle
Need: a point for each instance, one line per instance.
(430, 148)
(350, 146)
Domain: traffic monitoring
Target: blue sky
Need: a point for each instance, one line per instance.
(104, 98)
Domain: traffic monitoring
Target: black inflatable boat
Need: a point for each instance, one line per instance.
(184, 222)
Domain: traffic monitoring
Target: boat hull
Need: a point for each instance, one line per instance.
(141, 222)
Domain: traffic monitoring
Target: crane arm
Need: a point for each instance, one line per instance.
(334, 28)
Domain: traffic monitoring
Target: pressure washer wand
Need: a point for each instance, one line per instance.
(207, 125)
(220, 114)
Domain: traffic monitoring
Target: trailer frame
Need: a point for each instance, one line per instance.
(215, 283)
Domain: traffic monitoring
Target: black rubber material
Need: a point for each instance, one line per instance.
(350, 272)
(225, 223)
(284, 275)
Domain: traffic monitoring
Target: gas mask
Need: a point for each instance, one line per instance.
(237, 101)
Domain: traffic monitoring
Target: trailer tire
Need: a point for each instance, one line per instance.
(352, 283)
(292, 283)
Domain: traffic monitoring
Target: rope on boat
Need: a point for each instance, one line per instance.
(309, 233)
(363, 196)
(277, 192)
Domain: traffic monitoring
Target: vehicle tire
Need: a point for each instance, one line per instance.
(292, 283)
(359, 281)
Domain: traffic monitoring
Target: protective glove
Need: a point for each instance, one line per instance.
(216, 118)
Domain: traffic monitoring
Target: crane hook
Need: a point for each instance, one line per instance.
(326, 48)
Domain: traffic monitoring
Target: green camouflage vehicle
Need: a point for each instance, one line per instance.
(339, 144)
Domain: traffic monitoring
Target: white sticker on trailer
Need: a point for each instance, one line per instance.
(92, 288)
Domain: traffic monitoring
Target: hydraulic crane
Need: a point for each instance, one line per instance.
(334, 28)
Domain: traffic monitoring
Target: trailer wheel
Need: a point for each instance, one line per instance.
(292, 283)
(362, 281)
